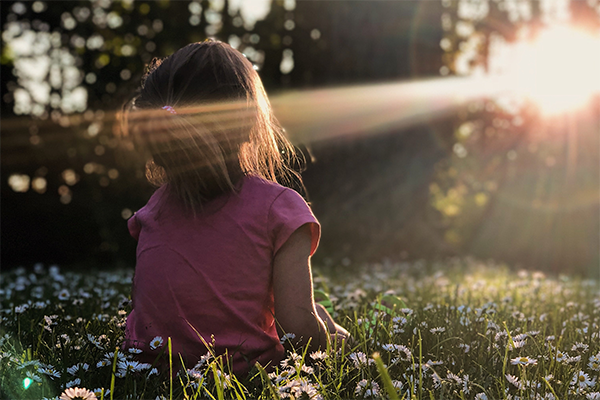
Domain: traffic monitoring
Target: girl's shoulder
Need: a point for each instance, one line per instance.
(264, 193)
(255, 183)
(272, 195)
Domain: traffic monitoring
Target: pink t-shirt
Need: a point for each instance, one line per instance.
(212, 275)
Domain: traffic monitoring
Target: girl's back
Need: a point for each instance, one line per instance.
(212, 275)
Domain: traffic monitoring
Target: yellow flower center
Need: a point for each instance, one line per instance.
(581, 378)
(524, 359)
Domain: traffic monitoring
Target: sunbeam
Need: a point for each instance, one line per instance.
(322, 114)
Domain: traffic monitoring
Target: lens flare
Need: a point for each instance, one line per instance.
(26, 383)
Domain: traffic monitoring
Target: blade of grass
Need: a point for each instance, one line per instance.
(239, 395)
(170, 369)
(420, 365)
(505, 360)
(267, 382)
(551, 388)
(112, 378)
(385, 377)
(219, 387)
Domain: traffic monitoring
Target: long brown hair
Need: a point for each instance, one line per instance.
(203, 119)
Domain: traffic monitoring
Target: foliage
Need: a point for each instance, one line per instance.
(470, 331)
(509, 167)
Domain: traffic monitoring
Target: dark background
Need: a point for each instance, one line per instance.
(372, 193)
(366, 212)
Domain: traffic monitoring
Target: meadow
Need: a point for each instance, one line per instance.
(470, 330)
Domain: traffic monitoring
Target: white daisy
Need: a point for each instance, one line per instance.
(367, 390)
(133, 350)
(318, 355)
(517, 344)
(580, 347)
(306, 369)
(33, 377)
(72, 383)
(405, 353)
(156, 343)
(466, 388)
(514, 381)
(523, 361)
(302, 386)
(98, 392)
(63, 294)
(397, 384)
(582, 380)
(292, 360)
(572, 360)
(193, 374)
(77, 393)
(50, 371)
(561, 356)
(79, 366)
(388, 347)
(130, 366)
(360, 359)
(224, 379)
(434, 363)
(437, 380)
(457, 379)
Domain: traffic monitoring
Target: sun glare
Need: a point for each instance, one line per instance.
(558, 70)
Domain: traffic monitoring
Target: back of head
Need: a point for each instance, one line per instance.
(203, 119)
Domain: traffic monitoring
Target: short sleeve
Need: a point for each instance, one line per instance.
(289, 212)
(134, 227)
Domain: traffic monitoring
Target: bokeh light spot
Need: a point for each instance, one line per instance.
(113, 173)
(38, 6)
(19, 182)
(287, 62)
(289, 24)
(39, 184)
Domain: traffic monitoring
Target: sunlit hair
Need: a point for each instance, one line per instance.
(220, 128)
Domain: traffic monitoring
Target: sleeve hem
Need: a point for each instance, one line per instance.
(291, 213)
(134, 227)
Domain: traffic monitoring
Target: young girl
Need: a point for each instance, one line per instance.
(223, 251)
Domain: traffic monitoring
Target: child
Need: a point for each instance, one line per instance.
(223, 250)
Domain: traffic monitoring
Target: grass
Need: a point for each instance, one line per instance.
(470, 331)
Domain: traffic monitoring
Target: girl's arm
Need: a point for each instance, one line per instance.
(295, 310)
